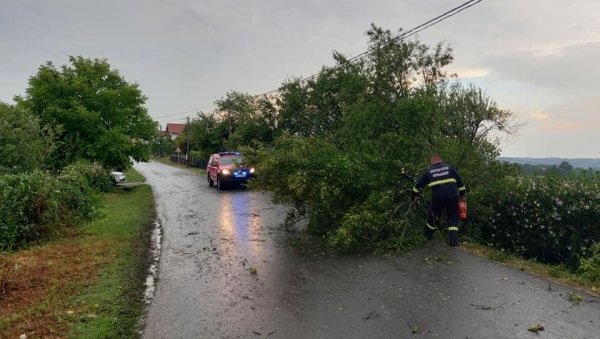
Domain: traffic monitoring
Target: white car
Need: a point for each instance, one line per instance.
(117, 177)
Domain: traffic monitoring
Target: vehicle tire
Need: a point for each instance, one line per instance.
(210, 182)
(220, 184)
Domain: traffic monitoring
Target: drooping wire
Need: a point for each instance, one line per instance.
(434, 21)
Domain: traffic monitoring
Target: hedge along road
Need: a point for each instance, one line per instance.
(227, 270)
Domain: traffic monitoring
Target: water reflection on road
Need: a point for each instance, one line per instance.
(240, 221)
(205, 289)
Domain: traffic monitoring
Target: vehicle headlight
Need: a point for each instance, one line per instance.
(251, 169)
(225, 172)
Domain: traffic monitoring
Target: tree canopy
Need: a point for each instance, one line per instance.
(332, 146)
(99, 115)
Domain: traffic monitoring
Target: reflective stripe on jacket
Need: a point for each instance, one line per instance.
(443, 180)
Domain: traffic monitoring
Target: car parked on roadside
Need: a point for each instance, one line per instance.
(227, 168)
(117, 177)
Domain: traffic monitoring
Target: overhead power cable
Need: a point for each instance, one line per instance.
(186, 112)
(399, 37)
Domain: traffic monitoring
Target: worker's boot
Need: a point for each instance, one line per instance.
(428, 232)
(453, 238)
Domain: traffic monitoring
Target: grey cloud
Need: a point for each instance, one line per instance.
(574, 69)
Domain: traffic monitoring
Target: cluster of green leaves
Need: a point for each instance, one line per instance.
(58, 143)
(162, 146)
(241, 120)
(549, 218)
(342, 138)
(36, 205)
(95, 113)
(25, 144)
(92, 174)
(563, 169)
(589, 268)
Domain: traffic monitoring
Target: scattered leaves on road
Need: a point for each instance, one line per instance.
(414, 328)
(253, 271)
(536, 328)
(574, 298)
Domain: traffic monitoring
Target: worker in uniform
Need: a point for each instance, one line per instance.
(447, 187)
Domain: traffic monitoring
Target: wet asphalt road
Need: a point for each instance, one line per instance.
(212, 239)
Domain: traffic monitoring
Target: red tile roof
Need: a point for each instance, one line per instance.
(175, 128)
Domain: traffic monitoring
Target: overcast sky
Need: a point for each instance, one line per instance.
(538, 58)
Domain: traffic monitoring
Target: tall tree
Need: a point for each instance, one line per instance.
(101, 116)
(234, 106)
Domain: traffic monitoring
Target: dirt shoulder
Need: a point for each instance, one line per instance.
(89, 281)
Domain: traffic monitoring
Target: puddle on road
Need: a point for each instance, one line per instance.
(154, 258)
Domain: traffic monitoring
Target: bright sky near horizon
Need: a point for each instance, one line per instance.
(537, 58)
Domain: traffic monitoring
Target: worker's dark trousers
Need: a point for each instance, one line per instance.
(436, 210)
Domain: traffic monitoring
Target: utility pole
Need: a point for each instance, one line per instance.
(187, 139)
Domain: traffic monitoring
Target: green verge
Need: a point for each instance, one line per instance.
(114, 305)
(559, 274)
(133, 176)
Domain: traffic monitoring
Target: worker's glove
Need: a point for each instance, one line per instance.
(413, 200)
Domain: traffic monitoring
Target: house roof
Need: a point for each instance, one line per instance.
(163, 133)
(175, 128)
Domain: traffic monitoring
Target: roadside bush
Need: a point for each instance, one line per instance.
(33, 206)
(92, 173)
(551, 219)
(589, 268)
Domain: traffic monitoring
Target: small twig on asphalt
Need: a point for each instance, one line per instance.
(371, 315)
(487, 308)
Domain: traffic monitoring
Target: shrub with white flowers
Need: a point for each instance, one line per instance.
(549, 218)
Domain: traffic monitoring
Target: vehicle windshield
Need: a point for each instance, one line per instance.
(231, 160)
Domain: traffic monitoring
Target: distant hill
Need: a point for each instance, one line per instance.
(575, 162)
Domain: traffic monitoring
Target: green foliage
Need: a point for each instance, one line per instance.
(552, 219)
(372, 226)
(100, 116)
(345, 135)
(563, 169)
(24, 143)
(304, 171)
(93, 174)
(589, 268)
(207, 134)
(33, 206)
(234, 107)
(242, 120)
(162, 146)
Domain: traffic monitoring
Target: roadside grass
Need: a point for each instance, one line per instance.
(133, 176)
(556, 273)
(90, 282)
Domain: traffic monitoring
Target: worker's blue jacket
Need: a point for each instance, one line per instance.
(443, 179)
